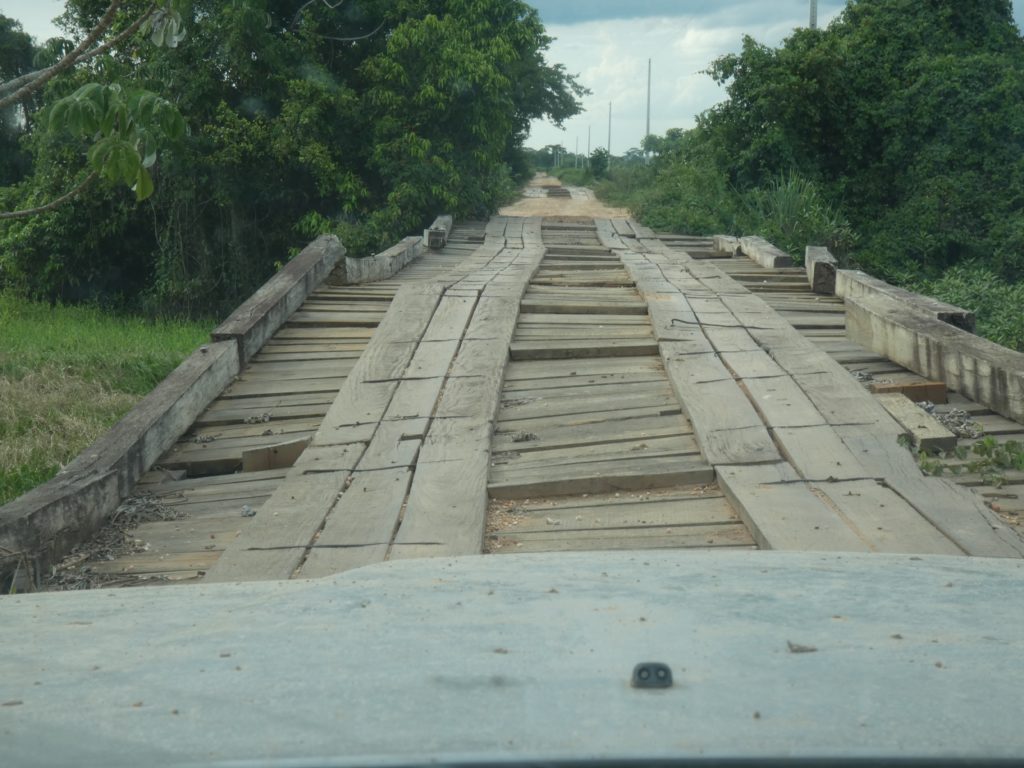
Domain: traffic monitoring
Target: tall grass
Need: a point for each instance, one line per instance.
(69, 373)
(791, 213)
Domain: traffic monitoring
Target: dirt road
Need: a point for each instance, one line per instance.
(581, 202)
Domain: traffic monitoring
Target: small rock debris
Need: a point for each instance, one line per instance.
(798, 648)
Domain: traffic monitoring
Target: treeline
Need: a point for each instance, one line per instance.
(895, 136)
(364, 118)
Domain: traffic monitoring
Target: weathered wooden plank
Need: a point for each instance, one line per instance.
(951, 508)
(573, 349)
(599, 477)
(584, 369)
(782, 403)
(625, 514)
(669, 537)
(818, 454)
(545, 407)
(543, 459)
(582, 306)
(275, 541)
(359, 529)
(727, 427)
(783, 513)
(885, 521)
(447, 507)
(919, 391)
(277, 456)
(148, 563)
(926, 432)
(610, 429)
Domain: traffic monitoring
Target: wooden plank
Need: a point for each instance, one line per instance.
(926, 432)
(150, 563)
(609, 430)
(277, 456)
(626, 514)
(932, 391)
(358, 531)
(582, 306)
(818, 453)
(599, 477)
(517, 409)
(544, 459)
(954, 510)
(275, 541)
(782, 403)
(751, 365)
(571, 349)
(669, 537)
(584, 386)
(885, 521)
(727, 427)
(589, 370)
(783, 513)
(447, 507)
(575, 420)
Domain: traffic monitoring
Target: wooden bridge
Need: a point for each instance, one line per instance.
(548, 384)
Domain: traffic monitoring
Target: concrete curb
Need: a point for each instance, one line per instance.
(853, 284)
(265, 311)
(821, 268)
(43, 525)
(40, 527)
(975, 367)
(387, 263)
(764, 253)
(383, 265)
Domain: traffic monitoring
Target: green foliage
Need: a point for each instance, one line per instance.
(997, 304)
(68, 373)
(16, 54)
(123, 353)
(575, 177)
(986, 457)
(905, 112)
(293, 128)
(894, 136)
(791, 213)
(599, 159)
(126, 127)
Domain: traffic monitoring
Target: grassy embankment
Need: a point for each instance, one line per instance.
(69, 373)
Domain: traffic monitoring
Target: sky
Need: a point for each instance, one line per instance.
(608, 43)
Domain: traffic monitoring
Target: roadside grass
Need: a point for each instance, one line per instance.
(69, 373)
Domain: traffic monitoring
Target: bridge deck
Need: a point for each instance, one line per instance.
(551, 385)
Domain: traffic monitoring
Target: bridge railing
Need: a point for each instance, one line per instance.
(930, 337)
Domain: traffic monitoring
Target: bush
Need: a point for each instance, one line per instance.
(996, 302)
(576, 177)
(792, 214)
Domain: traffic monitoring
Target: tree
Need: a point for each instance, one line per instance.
(905, 111)
(599, 162)
(126, 127)
(16, 53)
(365, 118)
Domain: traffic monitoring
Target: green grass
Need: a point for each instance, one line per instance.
(69, 373)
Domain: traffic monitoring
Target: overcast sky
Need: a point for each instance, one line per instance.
(607, 43)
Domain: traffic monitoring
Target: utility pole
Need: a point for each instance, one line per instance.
(648, 99)
(814, 14)
(588, 146)
(576, 164)
(609, 134)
